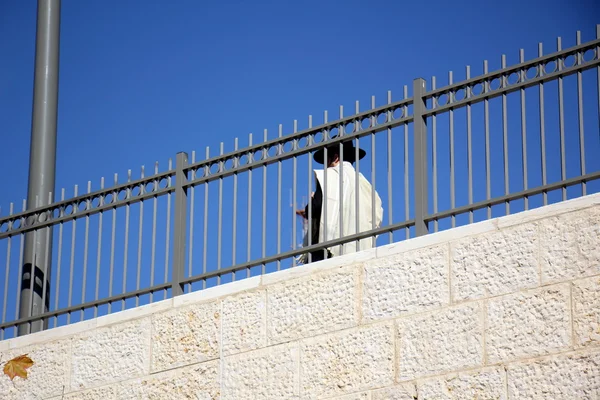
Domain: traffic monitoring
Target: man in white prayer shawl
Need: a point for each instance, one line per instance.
(325, 216)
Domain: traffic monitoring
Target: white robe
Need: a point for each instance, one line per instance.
(330, 229)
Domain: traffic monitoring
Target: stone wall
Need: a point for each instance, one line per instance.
(504, 309)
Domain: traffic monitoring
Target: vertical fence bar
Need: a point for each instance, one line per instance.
(522, 74)
(373, 226)
(406, 186)
(357, 125)
(341, 132)
(34, 261)
(325, 192)
(579, 61)
(434, 153)
(220, 215)
(309, 204)
(469, 146)
(140, 241)
(264, 204)
(72, 267)
(126, 245)
(295, 194)
(236, 163)
(542, 125)
(191, 227)
(168, 235)
(21, 259)
(153, 250)
(503, 84)
(180, 217)
(59, 260)
(279, 171)
(47, 260)
(486, 123)
(389, 165)
(561, 122)
(21, 256)
(112, 243)
(205, 230)
(85, 248)
(99, 249)
(420, 156)
(451, 156)
(6, 273)
(249, 231)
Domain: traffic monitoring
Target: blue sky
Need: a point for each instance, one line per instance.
(142, 80)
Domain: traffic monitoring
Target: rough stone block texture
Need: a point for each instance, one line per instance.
(108, 392)
(310, 306)
(486, 384)
(354, 396)
(405, 283)
(528, 324)
(48, 376)
(586, 311)
(199, 381)
(244, 322)
(440, 341)
(495, 263)
(557, 378)
(346, 362)
(406, 391)
(111, 354)
(569, 245)
(270, 373)
(185, 335)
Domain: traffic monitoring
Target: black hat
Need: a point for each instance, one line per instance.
(349, 152)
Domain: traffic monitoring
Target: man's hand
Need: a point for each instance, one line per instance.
(301, 213)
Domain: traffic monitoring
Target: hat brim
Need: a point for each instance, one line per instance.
(349, 153)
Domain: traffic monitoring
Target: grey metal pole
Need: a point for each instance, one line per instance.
(179, 237)
(42, 163)
(420, 157)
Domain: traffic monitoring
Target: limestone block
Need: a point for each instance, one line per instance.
(111, 354)
(495, 263)
(557, 378)
(349, 361)
(569, 245)
(528, 324)
(440, 341)
(405, 283)
(586, 311)
(185, 335)
(313, 305)
(244, 322)
(199, 381)
(49, 375)
(269, 373)
(406, 391)
(485, 384)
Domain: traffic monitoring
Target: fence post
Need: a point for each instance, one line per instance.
(180, 224)
(420, 156)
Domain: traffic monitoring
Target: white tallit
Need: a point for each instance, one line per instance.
(330, 228)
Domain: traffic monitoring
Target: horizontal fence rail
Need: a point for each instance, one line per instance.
(501, 142)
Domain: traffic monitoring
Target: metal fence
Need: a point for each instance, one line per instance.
(448, 156)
